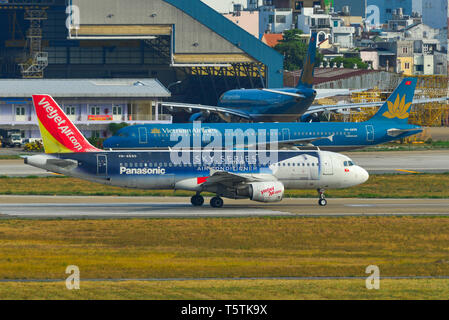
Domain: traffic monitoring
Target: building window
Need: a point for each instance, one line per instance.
(404, 50)
(117, 110)
(407, 65)
(270, 18)
(281, 19)
(95, 110)
(20, 111)
(70, 111)
(299, 5)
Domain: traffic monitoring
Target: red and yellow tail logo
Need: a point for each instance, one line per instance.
(59, 134)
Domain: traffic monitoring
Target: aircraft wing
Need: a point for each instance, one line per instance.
(231, 179)
(292, 143)
(189, 108)
(323, 108)
(328, 93)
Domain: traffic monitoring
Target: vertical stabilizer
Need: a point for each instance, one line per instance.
(308, 69)
(397, 107)
(58, 133)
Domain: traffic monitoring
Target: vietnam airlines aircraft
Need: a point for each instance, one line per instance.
(388, 124)
(258, 175)
(280, 105)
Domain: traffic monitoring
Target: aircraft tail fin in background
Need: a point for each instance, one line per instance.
(396, 108)
(308, 69)
(58, 133)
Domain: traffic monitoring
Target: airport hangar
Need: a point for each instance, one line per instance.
(192, 50)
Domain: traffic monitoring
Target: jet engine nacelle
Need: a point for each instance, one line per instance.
(263, 191)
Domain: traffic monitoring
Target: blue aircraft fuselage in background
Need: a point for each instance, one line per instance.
(269, 106)
(388, 124)
(345, 136)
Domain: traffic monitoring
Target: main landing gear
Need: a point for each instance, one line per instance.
(216, 202)
(322, 202)
(197, 200)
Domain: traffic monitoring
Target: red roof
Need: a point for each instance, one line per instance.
(272, 39)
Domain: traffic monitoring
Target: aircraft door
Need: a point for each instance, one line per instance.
(369, 133)
(285, 134)
(143, 136)
(102, 165)
(327, 166)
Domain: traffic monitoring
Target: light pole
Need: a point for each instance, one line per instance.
(173, 84)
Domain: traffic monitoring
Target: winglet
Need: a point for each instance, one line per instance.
(59, 134)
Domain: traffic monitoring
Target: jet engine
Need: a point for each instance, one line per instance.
(263, 191)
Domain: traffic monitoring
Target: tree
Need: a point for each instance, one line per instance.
(294, 50)
(115, 127)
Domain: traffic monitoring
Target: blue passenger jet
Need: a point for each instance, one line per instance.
(258, 175)
(256, 105)
(388, 124)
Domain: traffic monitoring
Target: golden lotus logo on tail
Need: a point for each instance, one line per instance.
(397, 110)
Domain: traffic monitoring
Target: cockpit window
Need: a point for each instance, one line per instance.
(348, 164)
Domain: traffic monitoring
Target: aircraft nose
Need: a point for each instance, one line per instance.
(363, 175)
(110, 143)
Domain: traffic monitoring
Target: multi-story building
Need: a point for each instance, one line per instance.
(435, 13)
(384, 8)
(328, 26)
(226, 6)
(247, 20)
(273, 20)
(315, 20)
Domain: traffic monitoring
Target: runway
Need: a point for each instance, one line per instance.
(374, 162)
(435, 161)
(176, 207)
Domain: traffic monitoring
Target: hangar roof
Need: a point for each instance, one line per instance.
(85, 88)
(235, 34)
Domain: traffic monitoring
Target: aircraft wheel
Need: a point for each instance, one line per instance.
(216, 202)
(322, 202)
(197, 200)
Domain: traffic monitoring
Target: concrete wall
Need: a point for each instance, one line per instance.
(381, 79)
(370, 56)
(247, 20)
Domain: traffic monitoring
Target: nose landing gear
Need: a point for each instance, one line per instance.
(322, 201)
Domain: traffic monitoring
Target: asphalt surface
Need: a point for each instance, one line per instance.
(374, 162)
(435, 161)
(179, 207)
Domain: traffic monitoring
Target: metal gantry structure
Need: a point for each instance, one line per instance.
(427, 115)
(36, 60)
